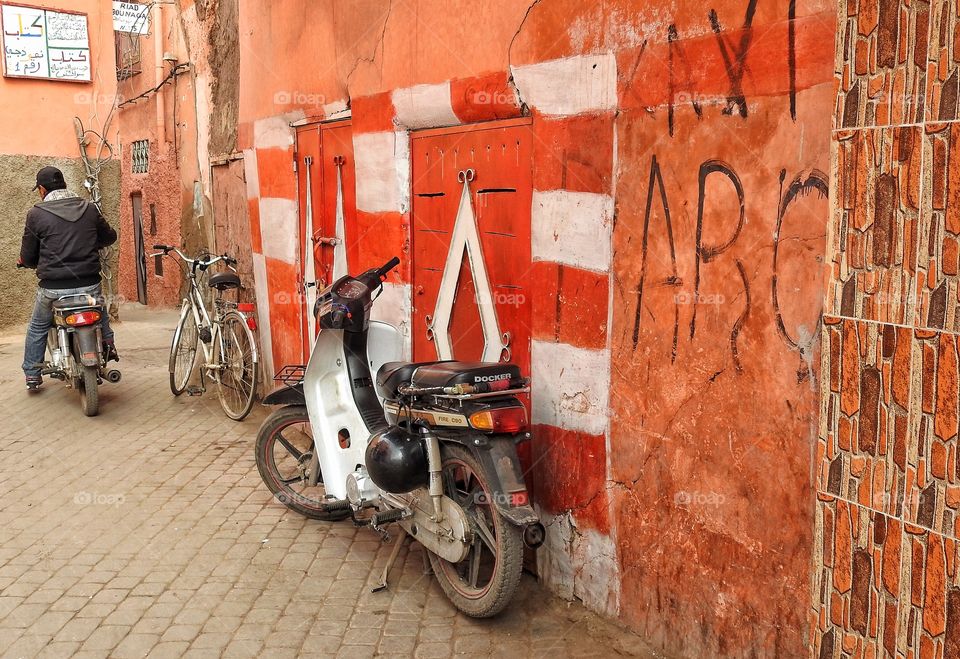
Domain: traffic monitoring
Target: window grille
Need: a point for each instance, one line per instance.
(128, 55)
(141, 156)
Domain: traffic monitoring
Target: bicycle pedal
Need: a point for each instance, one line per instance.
(194, 391)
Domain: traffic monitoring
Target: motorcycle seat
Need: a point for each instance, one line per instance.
(393, 375)
(224, 280)
(448, 374)
(75, 302)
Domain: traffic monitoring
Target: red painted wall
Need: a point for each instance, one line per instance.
(680, 205)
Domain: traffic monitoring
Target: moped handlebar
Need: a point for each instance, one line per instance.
(388, 266)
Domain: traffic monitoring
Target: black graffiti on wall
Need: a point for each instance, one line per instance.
(706, 253)
(734, 54)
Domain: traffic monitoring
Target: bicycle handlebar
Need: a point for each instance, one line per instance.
(198, 262)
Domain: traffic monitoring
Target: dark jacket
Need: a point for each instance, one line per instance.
(61, 239)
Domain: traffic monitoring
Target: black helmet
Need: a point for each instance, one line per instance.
(396, 460)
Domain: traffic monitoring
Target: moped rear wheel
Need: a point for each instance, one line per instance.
(89, 392)
(484, 582)
(284, 451)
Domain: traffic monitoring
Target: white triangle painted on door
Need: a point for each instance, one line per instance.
(466, 237)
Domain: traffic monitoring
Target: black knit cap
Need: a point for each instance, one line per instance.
(51, 179)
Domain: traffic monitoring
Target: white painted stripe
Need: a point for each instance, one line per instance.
(382, 171)
(336, 110)
(424, 106)
(572, 228)
(569, 86)
(278, 229)
(597, 579)
(571, 387)
(393, 307)
(276, 131)
(263, 317)
(580, 563)
(251, 174)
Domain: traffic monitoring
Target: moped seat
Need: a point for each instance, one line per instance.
(224, 280)
(393, 375)
(448, 374)
(75, 302)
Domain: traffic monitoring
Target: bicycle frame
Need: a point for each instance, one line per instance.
(195, 305)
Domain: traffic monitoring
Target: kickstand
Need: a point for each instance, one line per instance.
(427, 568)
(401, 539)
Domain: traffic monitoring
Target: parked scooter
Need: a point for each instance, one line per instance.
(75, 349)
(430, 447)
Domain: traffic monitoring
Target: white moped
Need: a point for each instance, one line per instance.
(430, 447)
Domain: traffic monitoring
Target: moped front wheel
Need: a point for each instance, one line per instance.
(284, 453)
(484, 582)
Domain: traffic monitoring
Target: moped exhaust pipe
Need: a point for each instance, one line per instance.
(534, 535)
(113, 375)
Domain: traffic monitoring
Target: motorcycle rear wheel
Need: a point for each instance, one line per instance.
(283, 450)
(484, 582)
(89, 393)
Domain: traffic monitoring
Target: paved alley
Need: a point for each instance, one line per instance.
(146, 532)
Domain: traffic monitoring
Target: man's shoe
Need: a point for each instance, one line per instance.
(110, 350)
(34, 382)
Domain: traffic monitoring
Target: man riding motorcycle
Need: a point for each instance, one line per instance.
(61, 240)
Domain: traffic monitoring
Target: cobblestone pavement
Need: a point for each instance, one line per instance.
(146, 532)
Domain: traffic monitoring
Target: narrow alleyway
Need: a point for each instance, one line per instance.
(146, 532)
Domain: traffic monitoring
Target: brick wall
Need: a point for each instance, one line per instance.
(886, 576)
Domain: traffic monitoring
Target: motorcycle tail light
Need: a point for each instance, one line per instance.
(83, 318)
(501, 420)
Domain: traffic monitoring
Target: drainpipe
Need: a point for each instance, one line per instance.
(158, 59)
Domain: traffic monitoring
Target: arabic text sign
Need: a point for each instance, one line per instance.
(43, 43)
(131, 17)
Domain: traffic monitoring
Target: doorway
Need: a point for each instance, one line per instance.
(328, 212)
(472, 192)
(140, 256)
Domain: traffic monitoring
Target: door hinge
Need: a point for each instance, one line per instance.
(295, 170)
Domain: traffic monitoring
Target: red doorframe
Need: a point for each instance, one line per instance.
(501, 155)
(323, 149)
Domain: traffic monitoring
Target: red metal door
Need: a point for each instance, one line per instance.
(328, 211)
(472, 190)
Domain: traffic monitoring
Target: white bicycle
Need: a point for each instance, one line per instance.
(225, 339)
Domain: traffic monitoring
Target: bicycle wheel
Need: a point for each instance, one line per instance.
(183, 354)
(237, 375)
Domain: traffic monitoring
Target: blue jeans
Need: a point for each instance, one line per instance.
(36, 344)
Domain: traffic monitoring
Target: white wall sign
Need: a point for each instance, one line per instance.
(45, 43)
(131, 17)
